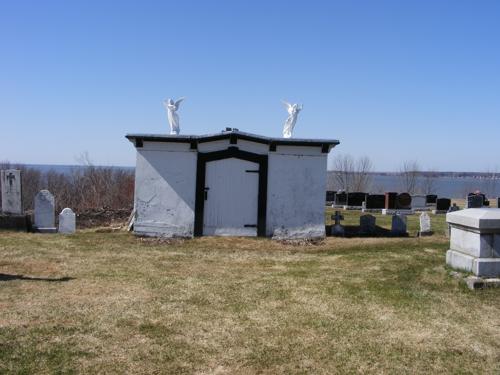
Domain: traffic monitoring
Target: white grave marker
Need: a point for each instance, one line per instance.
(67, 221)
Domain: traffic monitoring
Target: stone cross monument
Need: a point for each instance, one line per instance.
(12, 202)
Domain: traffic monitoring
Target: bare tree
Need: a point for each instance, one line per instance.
(343, 172)
(408, 175)
(362, 179)
(428, 182)
(352, 175)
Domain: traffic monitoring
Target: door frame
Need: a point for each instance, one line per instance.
(230, 152)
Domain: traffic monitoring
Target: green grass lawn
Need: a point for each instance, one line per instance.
(113, 303)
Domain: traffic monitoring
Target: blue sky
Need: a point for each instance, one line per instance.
(393, 80)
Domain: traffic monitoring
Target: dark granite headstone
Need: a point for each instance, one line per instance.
(403, 201)
(355, 199)
(375, 201)
(443, 204)
(390, 200)
(330, 195)
(486, 202)
(431, 198)
(367, 224)
(398, 227)
(475, 201)
(498, 202)
(340, 199)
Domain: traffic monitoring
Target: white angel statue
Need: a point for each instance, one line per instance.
(293, 111)
(173, 117)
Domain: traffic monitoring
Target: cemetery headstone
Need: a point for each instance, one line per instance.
(498, 202)
(443, 204)
(425, 225)
(12, 202)
(474, 201)
(375, 201)
(330, 195)
(44, 212)
(453, 208)
(473, 241)
(337, 229)
(390, 200)
(340, 199)
(355, 199)
(418, 202)
(403, 201)
(367, 224)
(398, 227)
(431, 198)
(67, 221)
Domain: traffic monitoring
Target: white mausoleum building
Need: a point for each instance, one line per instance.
(230, 184)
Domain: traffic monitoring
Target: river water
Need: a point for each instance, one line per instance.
(449, 187)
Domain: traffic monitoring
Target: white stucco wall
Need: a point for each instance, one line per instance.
(165, 183)
(166, 186)
(296, 193)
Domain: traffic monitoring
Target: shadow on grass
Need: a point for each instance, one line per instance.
(352, 231)
(7, 277)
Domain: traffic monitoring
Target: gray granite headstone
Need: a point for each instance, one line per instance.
(44, 212)
(12, 202)
(454, 208)
(367, 224)
(418, 201)
(67, 221)
(475, 201)
(425, 224)
(398, 227)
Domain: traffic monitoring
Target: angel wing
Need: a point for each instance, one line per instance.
(179, 101)
(287, 105)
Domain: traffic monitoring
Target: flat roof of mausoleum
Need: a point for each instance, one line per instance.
(233, 135)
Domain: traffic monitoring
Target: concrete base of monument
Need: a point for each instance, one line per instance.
(46, 230)
(352, 208)
(372, 210)
(390, 211)
(337, 205)
(421, 209)
(15, 222)
(483, 267)
(474, 282)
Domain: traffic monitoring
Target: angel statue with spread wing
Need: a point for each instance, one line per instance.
(293, 111)
(173, 117)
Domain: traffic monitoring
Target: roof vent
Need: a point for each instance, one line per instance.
(231, 130)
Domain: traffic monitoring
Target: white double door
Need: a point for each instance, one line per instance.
(231, 198)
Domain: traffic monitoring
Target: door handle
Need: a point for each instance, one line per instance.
(205, 192)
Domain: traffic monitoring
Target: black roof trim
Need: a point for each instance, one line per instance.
(324, 143)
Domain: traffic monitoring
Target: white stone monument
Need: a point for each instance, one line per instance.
(173, 118)
(475, 241)
(44, 212)
(293, 112)
(425, 225)
(12, 202)
(67, 221)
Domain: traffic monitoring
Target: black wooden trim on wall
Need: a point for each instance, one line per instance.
(231, 152)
